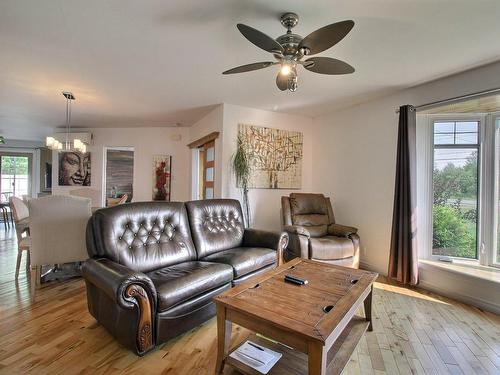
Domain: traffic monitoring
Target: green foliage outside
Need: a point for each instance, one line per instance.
(19, 165)
(455, 209)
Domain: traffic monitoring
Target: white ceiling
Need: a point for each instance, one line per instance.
(157, 63)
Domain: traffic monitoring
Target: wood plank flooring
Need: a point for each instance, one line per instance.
(415, 332)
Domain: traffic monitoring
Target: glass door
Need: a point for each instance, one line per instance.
(207, 170)
(15, 175)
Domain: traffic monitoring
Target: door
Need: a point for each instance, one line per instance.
(15, 175)
(207, 170)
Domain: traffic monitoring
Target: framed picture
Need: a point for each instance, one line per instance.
(275, 156)
(74, 168)
(162, 165)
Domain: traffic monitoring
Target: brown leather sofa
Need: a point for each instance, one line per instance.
(313, 234)
(148, 281)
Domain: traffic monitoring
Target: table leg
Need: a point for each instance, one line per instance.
(317, 358)
(223, 338)
(368, 309)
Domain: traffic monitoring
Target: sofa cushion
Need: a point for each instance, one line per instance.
(330, 248)
(216, 225)
(184, 281)
(244, 259)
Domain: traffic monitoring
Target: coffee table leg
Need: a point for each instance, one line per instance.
(223, 338)
(368, 309)
(317, 358)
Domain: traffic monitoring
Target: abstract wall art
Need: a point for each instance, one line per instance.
(275, 156)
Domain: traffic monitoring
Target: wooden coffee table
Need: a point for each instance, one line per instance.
(316, 321)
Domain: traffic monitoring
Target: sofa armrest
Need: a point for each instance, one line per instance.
(341, 230)
(297, 229)
(129, 289)
(271, 240)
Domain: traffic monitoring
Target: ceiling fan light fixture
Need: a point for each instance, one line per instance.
(285, 69)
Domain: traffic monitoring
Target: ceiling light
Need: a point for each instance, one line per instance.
(285, 69)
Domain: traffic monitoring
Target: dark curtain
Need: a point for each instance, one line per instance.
(403, 261)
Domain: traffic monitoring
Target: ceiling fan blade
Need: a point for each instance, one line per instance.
(249, 67)
(282, 81)
(326, 37)
(327, 65)
(260, 39)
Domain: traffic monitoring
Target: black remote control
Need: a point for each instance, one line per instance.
(295, 280)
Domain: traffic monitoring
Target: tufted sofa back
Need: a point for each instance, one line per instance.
(142, 236)
(216, 225)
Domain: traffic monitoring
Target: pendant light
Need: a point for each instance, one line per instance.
(77, 144)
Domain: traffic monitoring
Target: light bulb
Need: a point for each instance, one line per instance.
(285, 69)
(50, 141)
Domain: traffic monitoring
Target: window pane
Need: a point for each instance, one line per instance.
(210, 154)
(209, 174)
(209, 193)
(455, 202)
(444, 127)
(466, 138)
(467, 127)
(444, 139)
(497, 203)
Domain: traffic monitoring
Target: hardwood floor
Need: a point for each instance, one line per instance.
(414, 333)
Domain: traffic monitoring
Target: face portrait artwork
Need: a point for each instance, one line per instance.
(74, 169)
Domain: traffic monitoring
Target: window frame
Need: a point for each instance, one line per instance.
(486, 175)
(494, 136)
(476, 146)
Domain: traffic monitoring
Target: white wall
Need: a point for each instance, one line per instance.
(358, 145)
(265, 203)
(146, 141)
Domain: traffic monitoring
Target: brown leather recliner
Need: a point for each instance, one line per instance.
(313, 234)
(147, 281)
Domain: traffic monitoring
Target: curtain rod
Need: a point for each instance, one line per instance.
(456, 99)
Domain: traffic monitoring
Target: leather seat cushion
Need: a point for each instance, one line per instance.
(244, 259)
(330, 248)
(184, 281)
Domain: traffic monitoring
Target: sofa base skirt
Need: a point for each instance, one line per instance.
(188, 315)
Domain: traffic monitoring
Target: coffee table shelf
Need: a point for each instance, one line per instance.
(294, 362)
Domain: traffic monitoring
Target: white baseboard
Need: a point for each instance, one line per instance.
(371, 267)
(469, 299)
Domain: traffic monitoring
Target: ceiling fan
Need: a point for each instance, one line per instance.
(290, 48)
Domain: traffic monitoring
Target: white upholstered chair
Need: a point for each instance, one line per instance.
(57, 231)
(94, 195)
(20, 214)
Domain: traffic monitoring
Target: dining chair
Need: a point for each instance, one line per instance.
(20, 214)
(57, 232)
(94, 195)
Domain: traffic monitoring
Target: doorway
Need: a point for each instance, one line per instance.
(15, 175)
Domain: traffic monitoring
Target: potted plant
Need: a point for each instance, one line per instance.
(241, 171)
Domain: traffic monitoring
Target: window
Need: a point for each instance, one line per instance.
(458, 187)
(455, 189)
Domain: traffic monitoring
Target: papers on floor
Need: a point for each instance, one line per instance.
(256, 356)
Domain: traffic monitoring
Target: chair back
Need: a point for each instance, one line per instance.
(57, 229)
(313, 211)
(19, 209)
(94, 195)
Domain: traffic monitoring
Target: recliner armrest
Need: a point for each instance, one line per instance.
(341, 230)
(271, 240)
(129, 289)
(297, 229)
